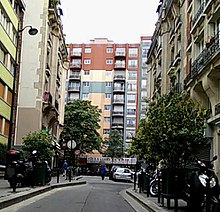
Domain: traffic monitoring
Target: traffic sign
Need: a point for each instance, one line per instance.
(77, 152)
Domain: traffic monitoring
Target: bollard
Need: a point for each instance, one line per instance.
(58, 175)
(207, 195)
(135, 180)
(176, 194)
(159, 188)
(70, 175)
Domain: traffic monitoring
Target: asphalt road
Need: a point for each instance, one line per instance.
(95, 196)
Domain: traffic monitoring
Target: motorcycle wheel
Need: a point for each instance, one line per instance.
(48, 179)
(154, 188)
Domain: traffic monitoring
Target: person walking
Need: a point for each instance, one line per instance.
(65, 167)
(102, 171)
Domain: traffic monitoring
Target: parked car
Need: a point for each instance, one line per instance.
(113, 169)
(123, 174)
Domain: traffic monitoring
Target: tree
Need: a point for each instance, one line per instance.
(115, 144)
(3, 149)
(81, 122)
(173, 130)
(40, 141)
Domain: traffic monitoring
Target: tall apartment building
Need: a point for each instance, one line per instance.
(108, 75)
(11, 14)
(41, 97)
(143, 82)
(186, 43)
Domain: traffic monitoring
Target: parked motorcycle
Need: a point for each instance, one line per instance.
(154, 178)
(202, 187)
(21, 172)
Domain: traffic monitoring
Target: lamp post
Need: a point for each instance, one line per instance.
(32, 31)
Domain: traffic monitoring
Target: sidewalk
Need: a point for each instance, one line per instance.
(151, 203)
(8, 197)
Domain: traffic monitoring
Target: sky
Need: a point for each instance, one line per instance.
(122, 21)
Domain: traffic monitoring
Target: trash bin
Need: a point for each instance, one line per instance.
(39, 174)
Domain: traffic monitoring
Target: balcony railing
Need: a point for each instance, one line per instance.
(204, 57)
(73, 88)
(119, 77)
(75, 65)
(120, 54)
(118, 100)
(198, 14)
(217, 109)
(116, 88)
(119, 65)
(74, 76)
(119, 113)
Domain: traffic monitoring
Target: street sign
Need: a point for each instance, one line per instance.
(71, 144)
(77, 152)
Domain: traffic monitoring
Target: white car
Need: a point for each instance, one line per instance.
(123, 174)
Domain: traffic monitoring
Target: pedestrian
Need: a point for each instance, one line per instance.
(102, 171)
(65, 167)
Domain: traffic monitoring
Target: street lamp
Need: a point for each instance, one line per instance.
(32, 31)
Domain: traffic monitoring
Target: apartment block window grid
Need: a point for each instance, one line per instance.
(86, 84)
(108, 73)
(108, 95)
(87, 61)
(109, 50)
(88, 50)
(108, 84)
(107, 107)
(86, 72)
(109, 61)
(133, 52)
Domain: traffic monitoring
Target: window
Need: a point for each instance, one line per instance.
(131, 111)
(2, 90)
(108, 96)
(87, 72)
(3, 56)
(86, 84)
(133, 52)
(132, 86)
(108, 73)
(1, 124)
(131, 98)
(106, 131)
(132, 75)
(6, 130)
(107, 107)
(130, 122)
(109, 61)
(85, 95)
(106, 119)
(132, 63)
(77, 51)
(108, 84)
(9, 97)
(88, 50)
(87, 61)
(109, 50)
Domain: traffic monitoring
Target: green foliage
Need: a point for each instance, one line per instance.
(40, 141)
(3, 149)
(81, 122)
(173, 130)
(115, 144)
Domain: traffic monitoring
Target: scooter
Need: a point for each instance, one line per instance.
(202, 188)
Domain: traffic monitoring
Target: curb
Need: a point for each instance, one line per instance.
(28, 194)
(149, 205)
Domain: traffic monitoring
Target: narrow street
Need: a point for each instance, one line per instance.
(95, 196)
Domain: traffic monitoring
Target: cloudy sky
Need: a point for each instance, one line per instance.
(122, 21)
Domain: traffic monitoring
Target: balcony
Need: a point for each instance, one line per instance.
(75, 65)
(198, 14)
(119, 77)
(117, 113)
(120, 54)
(117, 124)
(119, 65)
(217, 109)
(118, 101)
(74, 88)
(76, 54)
(118, 89)
(204, 58)
(177, 22)
(75, 76)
